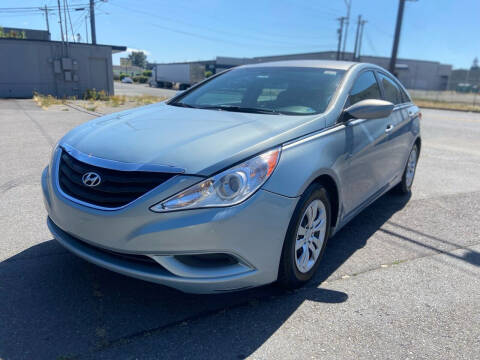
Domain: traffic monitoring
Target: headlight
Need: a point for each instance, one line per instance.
(53, 154)
(228, 188)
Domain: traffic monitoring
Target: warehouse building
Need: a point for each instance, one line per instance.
(53, 67)
(414, 74)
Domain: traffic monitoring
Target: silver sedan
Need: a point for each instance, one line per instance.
(238, 181)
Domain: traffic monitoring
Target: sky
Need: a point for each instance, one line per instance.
(182, 30)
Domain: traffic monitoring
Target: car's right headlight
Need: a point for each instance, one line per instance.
(230, 187)
(53, 154)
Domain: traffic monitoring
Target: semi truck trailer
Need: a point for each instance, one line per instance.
(181, 75)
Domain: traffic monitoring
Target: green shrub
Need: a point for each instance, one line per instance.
(123, 75)
(92, 94)
(140, 79)
(147, 73)
(208, 73)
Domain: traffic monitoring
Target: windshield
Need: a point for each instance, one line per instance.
(270, 90)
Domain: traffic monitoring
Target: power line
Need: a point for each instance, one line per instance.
(370, 43)
(362, 25)
(207, 37)
(70, 20)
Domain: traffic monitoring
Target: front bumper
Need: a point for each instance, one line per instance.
(251, 233)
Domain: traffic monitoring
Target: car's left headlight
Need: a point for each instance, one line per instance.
(230, 187)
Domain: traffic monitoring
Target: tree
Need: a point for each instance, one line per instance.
(475, 64)
(138, 58)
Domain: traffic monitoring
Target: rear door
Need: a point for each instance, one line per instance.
(363, 174)
(398, 127)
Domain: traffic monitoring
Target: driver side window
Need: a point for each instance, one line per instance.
(365, 87)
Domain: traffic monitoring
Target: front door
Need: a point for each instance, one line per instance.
(363, 175)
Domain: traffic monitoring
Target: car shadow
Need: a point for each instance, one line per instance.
(56, 305)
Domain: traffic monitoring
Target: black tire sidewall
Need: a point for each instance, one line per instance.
(289, 275)
(403, 185)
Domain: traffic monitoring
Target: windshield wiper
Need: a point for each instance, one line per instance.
(181, 104)
(241, 109)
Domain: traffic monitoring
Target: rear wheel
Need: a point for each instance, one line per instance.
(306, 238)
(405, 186)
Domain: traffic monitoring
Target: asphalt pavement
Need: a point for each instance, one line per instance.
(401, 281)
(141, 89)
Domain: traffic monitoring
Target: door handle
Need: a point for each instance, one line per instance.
(389, 128)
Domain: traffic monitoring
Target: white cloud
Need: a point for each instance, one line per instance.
(130, 50)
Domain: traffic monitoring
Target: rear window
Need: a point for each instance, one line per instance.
(391, 90)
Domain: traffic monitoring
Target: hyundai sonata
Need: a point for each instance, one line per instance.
(238, 181)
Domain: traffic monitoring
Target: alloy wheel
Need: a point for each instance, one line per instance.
(411, 166)
(310, 236)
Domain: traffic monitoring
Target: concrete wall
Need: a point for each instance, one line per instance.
(28, 66)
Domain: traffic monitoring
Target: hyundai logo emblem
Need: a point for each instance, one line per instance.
(91, 179)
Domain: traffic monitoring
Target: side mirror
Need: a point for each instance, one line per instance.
(370, 109)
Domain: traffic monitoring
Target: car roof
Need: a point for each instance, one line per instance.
(325, 64)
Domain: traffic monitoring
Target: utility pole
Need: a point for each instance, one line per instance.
(396, 40)
(362, 24)
(359, 22)
(45, 9)
(348, 3)
(86, 28)
(340, 32)
(60, 20)
(70, 20)
(65, 18)
(92, 22)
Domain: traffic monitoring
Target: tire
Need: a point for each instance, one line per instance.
(405, 186)
(291, 275)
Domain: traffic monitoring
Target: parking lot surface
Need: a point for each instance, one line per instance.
(141, 89)
(402, 280)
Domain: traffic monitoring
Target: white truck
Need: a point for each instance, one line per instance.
(181, 75)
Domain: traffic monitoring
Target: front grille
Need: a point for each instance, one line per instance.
(117, 188)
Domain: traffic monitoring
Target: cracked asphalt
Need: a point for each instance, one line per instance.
(402, 280)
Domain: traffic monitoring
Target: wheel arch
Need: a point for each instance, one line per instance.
(329, 183)
(418, 142)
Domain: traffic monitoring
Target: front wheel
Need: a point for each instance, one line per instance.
(405, 186)
(306, 238)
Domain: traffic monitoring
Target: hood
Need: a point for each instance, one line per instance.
(196, 140)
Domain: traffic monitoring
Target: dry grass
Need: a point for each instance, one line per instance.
(91, 105)
(44, 101)
(146, 99)
(102, 102)
(444, 105)
(117, 100)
